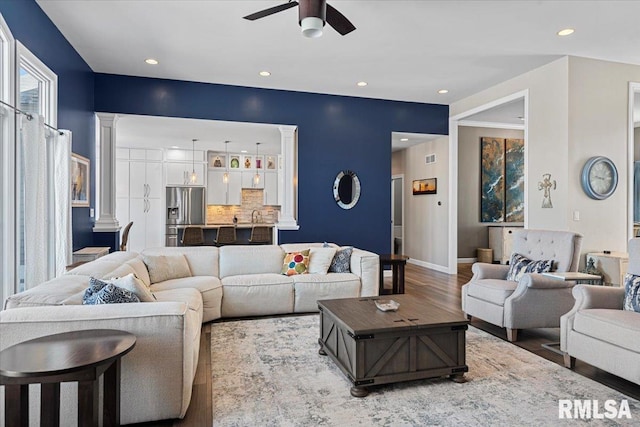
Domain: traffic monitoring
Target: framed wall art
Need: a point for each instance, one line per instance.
(425, 186)
(502, 180)
(80, 185)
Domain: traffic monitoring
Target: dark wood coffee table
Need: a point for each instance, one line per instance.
(80, 356)
(373, 347)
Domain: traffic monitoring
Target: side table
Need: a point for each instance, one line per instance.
(80, 356)
(397, 263)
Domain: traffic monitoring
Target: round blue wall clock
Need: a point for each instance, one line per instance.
(599, 177)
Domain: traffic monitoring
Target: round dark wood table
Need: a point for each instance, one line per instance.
(80, 356)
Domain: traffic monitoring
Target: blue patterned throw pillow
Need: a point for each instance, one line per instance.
(520, 265)
(101, 292)
(341, 262)
(631, 292)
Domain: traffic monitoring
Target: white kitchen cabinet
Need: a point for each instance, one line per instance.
(221, 193)
(501, 241)
(142, 202)
(270, 193)
(180, 173)
(248, 180)
(185, 155)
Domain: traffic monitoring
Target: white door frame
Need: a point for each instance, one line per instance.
(454, 122)
(634, 91)
(401, 177)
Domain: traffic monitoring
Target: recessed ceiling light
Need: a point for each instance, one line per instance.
(243, 151)
(404, 139)
(265, 73)
(566, 32)
(174, 146)
(362, 84)
(151, 61)
(443, 91)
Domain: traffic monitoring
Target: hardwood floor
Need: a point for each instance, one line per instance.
(433, 287)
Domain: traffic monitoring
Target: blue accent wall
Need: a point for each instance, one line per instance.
(334, 133)
(31, 26)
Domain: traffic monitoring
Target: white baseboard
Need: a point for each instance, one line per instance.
(425, 264)
(467, 260)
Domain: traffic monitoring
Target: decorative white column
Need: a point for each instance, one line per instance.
(289, 178)
(107, 221)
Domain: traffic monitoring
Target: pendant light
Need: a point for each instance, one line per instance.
(225, 175)
(194, 177)
(256, 179)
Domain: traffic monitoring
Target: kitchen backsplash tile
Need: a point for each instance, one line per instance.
(251, 200)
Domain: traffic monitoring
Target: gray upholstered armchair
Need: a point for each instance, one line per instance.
(599, 332)
(535, 301)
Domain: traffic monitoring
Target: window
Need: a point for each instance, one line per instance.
(36, 93)
(7, 156)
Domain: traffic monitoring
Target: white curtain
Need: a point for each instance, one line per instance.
(46, 191)
(62, 234)
(34, 192)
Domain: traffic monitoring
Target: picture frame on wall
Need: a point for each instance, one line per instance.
(425, 186)
(216, 160)
(80, 181)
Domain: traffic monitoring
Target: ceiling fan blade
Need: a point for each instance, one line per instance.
(271, 11)
(338, 21)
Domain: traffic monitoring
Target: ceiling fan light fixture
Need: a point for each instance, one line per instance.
(312, 27)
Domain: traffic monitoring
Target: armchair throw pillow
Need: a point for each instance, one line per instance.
(131, 283)
(520, 265)
(166, 267)
(631, 293)
(296, 263)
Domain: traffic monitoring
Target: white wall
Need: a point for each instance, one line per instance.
(426, 223)
(577, 109)
(598, 126)
(472, 233)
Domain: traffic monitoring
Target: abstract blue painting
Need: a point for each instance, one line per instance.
(502, 180)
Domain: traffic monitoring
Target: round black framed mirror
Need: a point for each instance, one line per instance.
(346, 189)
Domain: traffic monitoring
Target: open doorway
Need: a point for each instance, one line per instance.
(502, 115)
(397, 214)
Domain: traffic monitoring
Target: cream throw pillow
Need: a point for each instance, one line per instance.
(320, 260)
(166, 267)
(134, 285)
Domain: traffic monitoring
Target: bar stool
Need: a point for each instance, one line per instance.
(260, 234)
(226, 235)
(193, 236)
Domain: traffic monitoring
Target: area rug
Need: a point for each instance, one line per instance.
(268, 372)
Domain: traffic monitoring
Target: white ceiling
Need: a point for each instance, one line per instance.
(510, 113)
(406, 50)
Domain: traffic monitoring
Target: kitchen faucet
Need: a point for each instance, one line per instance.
(256, 216)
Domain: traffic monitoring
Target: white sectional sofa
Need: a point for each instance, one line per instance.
(231, 281)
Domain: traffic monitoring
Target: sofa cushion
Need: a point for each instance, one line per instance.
(135, 266)
(257, 295)
(203, 260)
(250, 259)
(190, 296)
(631, 292)
(209, 287)
(491, 290)
(320, 260)
(519, 265)
(309, 288)
(52, 292)
(296, 263)
(341, 262)
(166, 267)
(618, 327)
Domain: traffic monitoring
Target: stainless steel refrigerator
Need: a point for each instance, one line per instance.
(185, 206)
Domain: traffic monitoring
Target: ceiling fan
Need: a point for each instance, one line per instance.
(312, 16)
